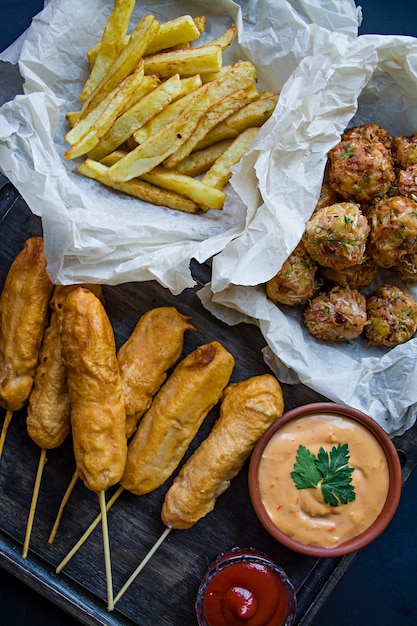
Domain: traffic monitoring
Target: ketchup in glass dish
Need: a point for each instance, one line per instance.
(245, 588)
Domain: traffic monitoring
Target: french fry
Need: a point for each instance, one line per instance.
(138, 188)
(200, 161)
(220, 172)
(136, 116)
(125, 63)
(112, 42)
(200, 22)
(225, 40)
(218, 112)
(184, 62)
(205, 196)
(94, 129)
(171, 111)
(174, 32)
(72, 117)
(161, 145)
(253, 114)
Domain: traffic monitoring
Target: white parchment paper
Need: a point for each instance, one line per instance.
(92, 233)
(370, 79)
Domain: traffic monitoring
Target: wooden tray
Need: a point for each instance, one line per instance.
(167, 587)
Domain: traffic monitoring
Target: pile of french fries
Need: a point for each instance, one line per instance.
(162, 120)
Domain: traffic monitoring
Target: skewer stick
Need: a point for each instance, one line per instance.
(106, 544)
(88, 532)
(32, 510)
(6, 423)
(64, 501)
(142, 564)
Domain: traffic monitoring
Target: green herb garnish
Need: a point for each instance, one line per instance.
(330, 472)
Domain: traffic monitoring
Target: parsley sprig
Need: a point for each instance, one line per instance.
(329, 471)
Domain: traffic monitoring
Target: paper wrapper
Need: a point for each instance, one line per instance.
(371, 79)
(93, 234)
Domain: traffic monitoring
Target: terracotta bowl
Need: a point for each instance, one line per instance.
(394, 477)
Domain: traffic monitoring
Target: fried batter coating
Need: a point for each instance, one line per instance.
(405, 150)
(295, 282)
(248, 408)
(360, 169)
(335, 236)
(393, 230)
(356, 276)
(407, 182)
(49, 408)
(98, 418)
(175, 415)
(23, 317)
(337, 315)
(154, 347)
(392, 315)
(370, 132)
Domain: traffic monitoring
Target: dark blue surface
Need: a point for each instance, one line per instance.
(380, 587)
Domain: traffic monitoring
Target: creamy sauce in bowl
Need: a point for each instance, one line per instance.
(303, 514)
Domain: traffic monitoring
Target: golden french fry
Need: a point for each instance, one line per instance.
(253, 114)
(171, 111)
(136, 116)
(97, 128)
(180, 30)
(225, 40)
(161, 145)
(125, 63)
(199, 162)
(72, 117)
(205, 196)
(138, 188)
(184, 62)
(200, 22)
(113, 157)
(218, 112)
(112, 42)
(220, 172)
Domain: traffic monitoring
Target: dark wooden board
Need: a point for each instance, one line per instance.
(167, 587)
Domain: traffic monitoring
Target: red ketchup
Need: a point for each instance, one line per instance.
(245, 588)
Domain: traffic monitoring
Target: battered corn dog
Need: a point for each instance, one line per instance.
(154, 346)
(98, 417)
(248, 408)
(23, 317)
(49, 408)
(175, 415)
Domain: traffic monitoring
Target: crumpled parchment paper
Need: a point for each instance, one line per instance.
(92, 233)
(370, 79)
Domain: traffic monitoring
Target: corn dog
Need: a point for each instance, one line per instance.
(154, 346)
(98, 417)
(23, 315)
(174, 417)
(248, 408)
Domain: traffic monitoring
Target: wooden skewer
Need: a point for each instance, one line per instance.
(64, 501)
(88, 532)
(106, 544)
(6, 423)
(32, 510)
(142, 564)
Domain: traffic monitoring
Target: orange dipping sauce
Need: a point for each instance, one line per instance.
(245, 588)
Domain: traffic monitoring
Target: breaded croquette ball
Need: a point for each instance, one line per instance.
(360, 169)
(371, 132)
(393, 232)
(356, 276)
(337, 315)
(392, 316)
(406, 269)
(407, 182)
(335, 236)
(295, 282)
(405, 150)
